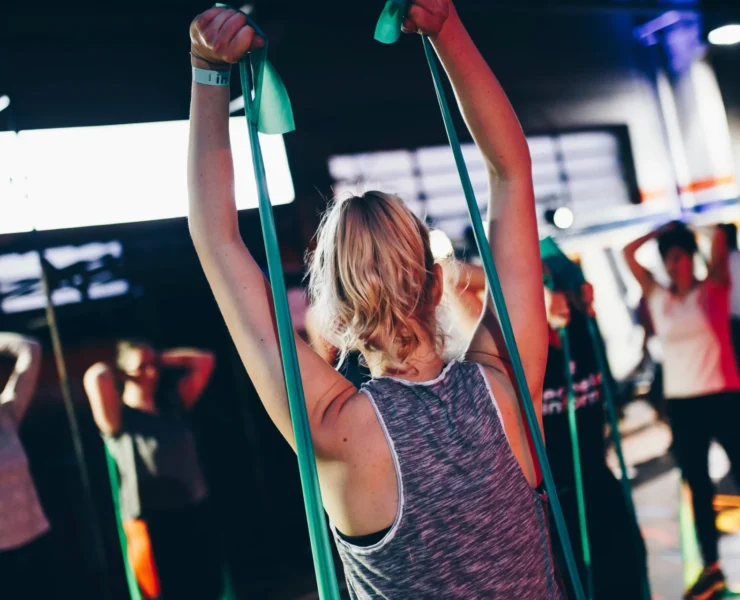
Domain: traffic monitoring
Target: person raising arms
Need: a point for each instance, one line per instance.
(700, 379)
(25, 542)
(163, 493)
(425, 471)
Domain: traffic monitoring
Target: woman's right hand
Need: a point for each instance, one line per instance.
(427, 16)
(222, 36)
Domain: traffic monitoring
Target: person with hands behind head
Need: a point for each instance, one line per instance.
(425, 470)
(700, 379)
(162, 490)
(24, 530)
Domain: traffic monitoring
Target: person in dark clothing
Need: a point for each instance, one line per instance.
(617, 550)
(162, 490)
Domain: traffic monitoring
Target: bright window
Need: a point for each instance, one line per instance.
(76, 177)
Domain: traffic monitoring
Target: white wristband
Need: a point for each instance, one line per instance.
(206, 77)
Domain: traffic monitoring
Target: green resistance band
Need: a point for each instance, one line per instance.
(268, 111)
(392, 19)
(228, 592)
(566, 275)
(578, 473)
(133, 585)
(576, 451)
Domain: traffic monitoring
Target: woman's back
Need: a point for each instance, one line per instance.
(468, 524)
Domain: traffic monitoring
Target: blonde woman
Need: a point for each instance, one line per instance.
(425, 471)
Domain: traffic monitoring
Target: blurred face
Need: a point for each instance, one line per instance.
(140, 366)
(679, 265)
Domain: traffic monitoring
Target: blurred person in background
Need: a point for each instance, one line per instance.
(700, 378)
(162, 489)
(617, 550)
(25, 554)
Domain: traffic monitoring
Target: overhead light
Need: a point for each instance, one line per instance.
(4, 102)
(561, 217)
(728, 35)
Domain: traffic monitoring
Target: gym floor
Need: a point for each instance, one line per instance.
(657, 492)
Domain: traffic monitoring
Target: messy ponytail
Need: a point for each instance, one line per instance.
(372, 278)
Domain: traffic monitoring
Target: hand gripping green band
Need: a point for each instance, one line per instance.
(268, 111)
(566, 275)
(388, 17)
(388, 29)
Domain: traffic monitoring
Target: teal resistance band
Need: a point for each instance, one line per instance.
(228, 592)
(580, 497)
(568, 276)
(133, 585)
(268, 111)
(388, 31)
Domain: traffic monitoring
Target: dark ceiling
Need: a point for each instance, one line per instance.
(85, 63)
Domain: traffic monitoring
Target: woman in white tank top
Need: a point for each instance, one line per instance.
(700, 379)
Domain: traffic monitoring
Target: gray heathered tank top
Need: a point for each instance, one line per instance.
(469, 525)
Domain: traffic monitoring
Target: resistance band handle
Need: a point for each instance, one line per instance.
(497, 295)
(270, 109)
(577, 472)
(252, 90)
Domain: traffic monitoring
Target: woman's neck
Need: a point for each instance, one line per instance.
(423, 365)
(136, 397)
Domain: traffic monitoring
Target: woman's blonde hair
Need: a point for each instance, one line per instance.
(372, 277)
